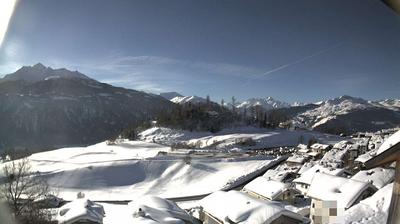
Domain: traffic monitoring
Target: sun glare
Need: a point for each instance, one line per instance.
(6, 10)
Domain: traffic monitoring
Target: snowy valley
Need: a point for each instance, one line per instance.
(169, 158)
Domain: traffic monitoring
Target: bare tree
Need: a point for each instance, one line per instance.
(22, 189)
(187, 159)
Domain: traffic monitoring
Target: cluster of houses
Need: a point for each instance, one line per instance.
(315, 184)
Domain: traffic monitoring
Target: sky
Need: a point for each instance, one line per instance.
(305, 50)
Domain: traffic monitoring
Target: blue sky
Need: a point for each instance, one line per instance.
(291, 50)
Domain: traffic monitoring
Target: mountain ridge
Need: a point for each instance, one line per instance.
(42, 113)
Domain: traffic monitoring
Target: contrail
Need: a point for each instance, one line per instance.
(296, 62)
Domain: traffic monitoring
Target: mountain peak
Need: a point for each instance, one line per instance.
(268, 103)
(39, 66)
(347, 98)
(170, 95)
(39, 72)
(188, 99)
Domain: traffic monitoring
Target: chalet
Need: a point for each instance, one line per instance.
(320, 148)
(238, 207)
(388, 153)
(304, 181)
(296, 160)
(314, 155)
(81, 210)
(270, 190)
(332, 195)
(302, 149)
(152, 209)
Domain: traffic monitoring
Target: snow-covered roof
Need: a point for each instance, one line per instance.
(378, 176)
(313, 154)
(81, 209)
(270, 189)
(303, 150)
(345, 191)
(279, 175)
(320, 146)
(391, 141)
(388, 152)
(334, 157)
(302, 146)
(308, 175)
(342, 144)
(240, 207)
(296, 159)
(152, 209)
(366, 156)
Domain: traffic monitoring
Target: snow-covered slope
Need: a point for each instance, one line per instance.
(267, 103)
(188, 99)
(329, 109)
(170, 95)
(345, 114)
(235, 138)
(132, 168)
(393, 104)
(44, 108)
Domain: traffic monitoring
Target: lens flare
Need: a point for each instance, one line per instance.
(6, 10)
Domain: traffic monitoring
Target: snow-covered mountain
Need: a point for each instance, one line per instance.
(329, 109)
(44, 108)
(393, 104)
(297, 104)
(345, 114)
(188, 99)
(170, 95)
(39, 72)
(267, 103)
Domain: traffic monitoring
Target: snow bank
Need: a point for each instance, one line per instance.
(373, 210)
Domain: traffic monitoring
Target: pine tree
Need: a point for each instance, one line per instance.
(233, 103)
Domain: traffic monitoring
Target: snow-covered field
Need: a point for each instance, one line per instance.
(129, 169)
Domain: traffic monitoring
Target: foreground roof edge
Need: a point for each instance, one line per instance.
(388, 156)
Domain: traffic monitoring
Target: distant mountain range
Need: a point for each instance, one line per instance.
(344, 114)
(267, 103)
(43, 108)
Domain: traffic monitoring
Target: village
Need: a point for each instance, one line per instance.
(309, 183)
